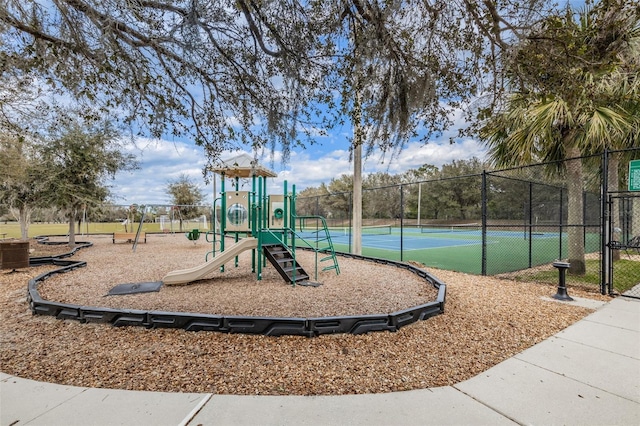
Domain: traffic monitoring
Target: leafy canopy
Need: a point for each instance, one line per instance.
(575, 86)
(232, 73)
(184, 192)
(80, 156)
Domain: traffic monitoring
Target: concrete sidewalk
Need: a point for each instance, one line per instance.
(588, 374)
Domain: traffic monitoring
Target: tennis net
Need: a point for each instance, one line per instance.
(345, 231)
(438, 229)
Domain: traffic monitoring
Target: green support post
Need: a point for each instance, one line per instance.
(236, 263)
(223, 214)
(252, 211)
(285, 217)
(292, 226)
(264, 215)
(259, 229)
(293, 219)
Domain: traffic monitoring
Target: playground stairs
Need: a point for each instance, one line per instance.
(284, 262)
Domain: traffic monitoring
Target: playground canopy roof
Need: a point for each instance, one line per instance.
(243, 166)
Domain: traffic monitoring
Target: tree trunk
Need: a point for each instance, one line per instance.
(358, 139)
(24, 217)
(72, 228)
(575, 213)
(356, 247)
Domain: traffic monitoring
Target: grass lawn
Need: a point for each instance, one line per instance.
(12, 229)
(626, 275)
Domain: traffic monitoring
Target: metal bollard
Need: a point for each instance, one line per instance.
(562, 287)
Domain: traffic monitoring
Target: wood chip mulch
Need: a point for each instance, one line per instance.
(486, 321)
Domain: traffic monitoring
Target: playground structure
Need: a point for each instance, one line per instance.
(132, 237)
(265, 224)
(194, 321)
(270, 228)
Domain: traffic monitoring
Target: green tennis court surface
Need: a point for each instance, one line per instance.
(460, 248)
(450, 247)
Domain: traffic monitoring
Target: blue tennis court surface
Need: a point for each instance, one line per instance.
(414, 239)
(393, 242)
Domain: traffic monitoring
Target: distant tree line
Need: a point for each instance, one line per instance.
(451, 193)
(66, 165)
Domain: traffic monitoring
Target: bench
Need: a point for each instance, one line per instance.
(129, 236)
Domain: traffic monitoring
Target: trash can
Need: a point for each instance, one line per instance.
(14, 254)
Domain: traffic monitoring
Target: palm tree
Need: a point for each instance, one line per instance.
(567, 100)
(623, 88)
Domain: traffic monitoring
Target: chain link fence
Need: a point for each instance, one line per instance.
(511, 223)
(625, 256)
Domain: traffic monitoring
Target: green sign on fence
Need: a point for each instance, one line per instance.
(634, 175)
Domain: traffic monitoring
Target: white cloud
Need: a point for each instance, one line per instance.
(163, 161)
(305, 171)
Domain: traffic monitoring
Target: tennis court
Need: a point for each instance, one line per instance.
(459, 247)
(387, 237)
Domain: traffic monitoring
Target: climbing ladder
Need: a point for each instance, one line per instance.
(285, 263)
(321, 241)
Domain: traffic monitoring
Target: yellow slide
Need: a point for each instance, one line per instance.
(183, 276)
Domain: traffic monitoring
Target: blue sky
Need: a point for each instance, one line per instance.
(162, 161)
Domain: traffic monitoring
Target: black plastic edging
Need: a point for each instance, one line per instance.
(268, 326)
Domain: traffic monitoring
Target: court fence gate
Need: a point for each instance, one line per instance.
(621, 228)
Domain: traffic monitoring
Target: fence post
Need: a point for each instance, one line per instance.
(531, 224)
(605, 226)
(484, 222)
(350, 220)
(584, 217)
(401, 223)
